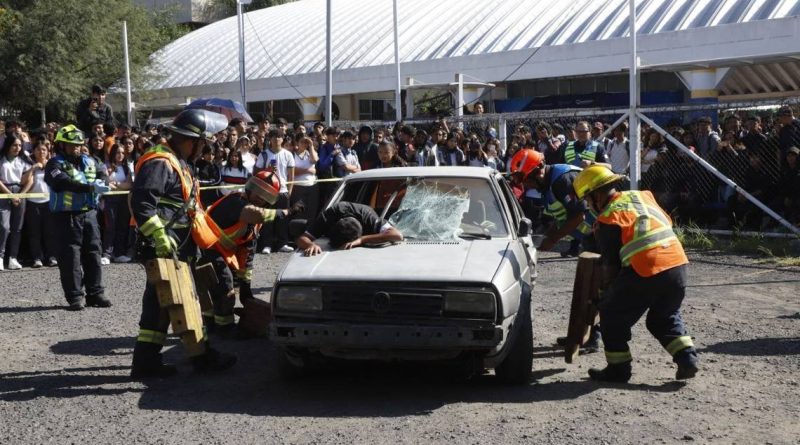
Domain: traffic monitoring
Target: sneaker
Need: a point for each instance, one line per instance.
(105, 261)
(13, 264)
(37, 264)
(75, 306)
(51, 262)
(266, 250)
(98, 301)
(286, 248)
(1, 264)
(122, 259)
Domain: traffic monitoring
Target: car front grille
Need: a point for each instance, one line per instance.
(383, 302)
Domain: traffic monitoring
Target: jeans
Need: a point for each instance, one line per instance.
(11, 218)
(116, 230)
(39, 229)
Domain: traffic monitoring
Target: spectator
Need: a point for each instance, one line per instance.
(97, 148)
(232, 140)
(450, 154)
(706, 139)
(618, 150)
(38, 219)
(734, 125)
(347, 160)
(243, 146)
(234, 172)
(305, 189)
(789, 133)
(760, 185)
(239, 125)
(787, 196)
(366, 149)
(282, 125)
(655, 145)
(754, 139)
(548, 145)
(425, 147)
(15, 177)
(275, 234)
(208, 175)
(14, 127)
(475, 155)
(318, 134)
(128, 147)
(387, 155)
(597, 134)
(406, 148)
(116, 215)
(583, 151)
(94, 108)
(493, 160)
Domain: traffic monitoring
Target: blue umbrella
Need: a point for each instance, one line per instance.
(230, 108)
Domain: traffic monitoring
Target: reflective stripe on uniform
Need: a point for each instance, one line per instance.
(589, 152)
(679, 344)
(209, 313)
(150, 336)
(660, 236)
(615, 358)
(245, 275)
(151, 226)
(223, 320)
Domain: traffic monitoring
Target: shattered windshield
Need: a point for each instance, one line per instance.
(433, 208)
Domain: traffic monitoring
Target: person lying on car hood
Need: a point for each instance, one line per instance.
(347, 225)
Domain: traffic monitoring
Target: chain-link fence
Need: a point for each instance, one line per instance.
(751, 144)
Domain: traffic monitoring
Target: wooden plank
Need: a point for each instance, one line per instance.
(254, 316)
(583, 313)
(205, 281)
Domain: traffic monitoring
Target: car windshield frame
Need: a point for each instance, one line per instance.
(501, 230)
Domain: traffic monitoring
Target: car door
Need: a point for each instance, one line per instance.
(516, 214)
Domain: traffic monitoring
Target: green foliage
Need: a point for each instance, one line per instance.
(778, 251)
(53, 51)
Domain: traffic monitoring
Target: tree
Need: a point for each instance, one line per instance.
(53, 51)
(227, 8)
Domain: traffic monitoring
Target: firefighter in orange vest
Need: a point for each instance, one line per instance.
(644, 269)
(238, 217)
(165, 205)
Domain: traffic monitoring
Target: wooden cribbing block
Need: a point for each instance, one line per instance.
(583, 311)
(175, 290)
(205, 279)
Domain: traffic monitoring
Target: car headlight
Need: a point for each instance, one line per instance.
(299, 298)
(462, 302)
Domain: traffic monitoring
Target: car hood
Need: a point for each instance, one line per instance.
(464, 261)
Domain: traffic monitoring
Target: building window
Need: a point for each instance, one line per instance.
(374, 109)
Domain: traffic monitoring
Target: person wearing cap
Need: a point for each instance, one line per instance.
(165, 204)
(584, 151)
(94, 108)
(598, 128)
(645, 270)
(238, 218)
(347, 225)
(76, 182)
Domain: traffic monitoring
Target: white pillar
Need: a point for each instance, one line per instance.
(410, 99)
(242, 73)
(128, 104)
(398, 104)
(633, 91)
(460, 98)
(311, 107)
(329, 73)
(502, 133)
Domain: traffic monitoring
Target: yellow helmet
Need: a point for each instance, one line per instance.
(70, 134)
(592, 178)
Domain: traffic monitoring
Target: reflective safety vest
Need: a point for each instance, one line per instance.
(71, 201)
(233, 240)
(649, 245)
(555, 208)
(203, 234)
(589, 153)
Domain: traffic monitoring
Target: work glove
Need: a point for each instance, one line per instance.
(166, 246)
(296, 209)
(100, 188)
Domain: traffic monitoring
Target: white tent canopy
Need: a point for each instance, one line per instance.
(483, 39)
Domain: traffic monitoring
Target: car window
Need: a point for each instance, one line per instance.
(433, 208)
(511, 200)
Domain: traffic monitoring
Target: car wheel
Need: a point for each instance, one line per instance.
(516, 369)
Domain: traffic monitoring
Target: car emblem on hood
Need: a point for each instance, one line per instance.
(381, 302)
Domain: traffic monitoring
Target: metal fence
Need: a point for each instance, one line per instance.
(747, 144)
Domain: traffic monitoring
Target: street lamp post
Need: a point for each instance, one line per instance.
(242, 73)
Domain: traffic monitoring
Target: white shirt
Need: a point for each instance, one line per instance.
(11, 171)
(304, 161)
(284, 160)
(249, 161)
(117, 175)
(39, 186)
(618, 155)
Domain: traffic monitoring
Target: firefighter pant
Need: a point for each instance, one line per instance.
(222, 294)
(79, 250)
(629, 297)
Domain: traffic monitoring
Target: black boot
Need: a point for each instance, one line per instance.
(213, 361)
(76, 305)
(148, 362)
(97, 301)
(687, 364)
(593, 344)
(619, 373)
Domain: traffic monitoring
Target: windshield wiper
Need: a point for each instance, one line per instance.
(474, 235)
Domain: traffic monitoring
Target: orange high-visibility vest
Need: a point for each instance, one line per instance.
(232, 239)
(203, 233)
(649, 245)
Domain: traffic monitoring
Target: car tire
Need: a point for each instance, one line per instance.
(517, 367)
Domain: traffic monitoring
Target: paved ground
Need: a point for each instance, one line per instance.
(63, 376)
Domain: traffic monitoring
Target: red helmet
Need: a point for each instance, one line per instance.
(265, 185)
(525, 161)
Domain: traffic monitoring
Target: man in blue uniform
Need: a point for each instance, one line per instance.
(75, 183)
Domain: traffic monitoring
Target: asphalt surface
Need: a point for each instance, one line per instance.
(64, 376)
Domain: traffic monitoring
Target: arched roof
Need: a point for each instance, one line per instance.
(285, 45)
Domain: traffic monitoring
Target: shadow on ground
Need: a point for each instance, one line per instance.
(65, 383)
(756, 347)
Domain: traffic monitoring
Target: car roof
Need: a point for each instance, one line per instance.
(452, 172)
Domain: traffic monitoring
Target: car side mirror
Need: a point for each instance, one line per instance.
(525, 227)
(297, 227)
